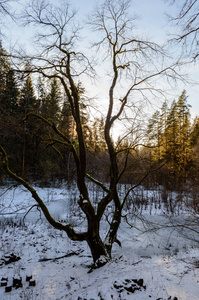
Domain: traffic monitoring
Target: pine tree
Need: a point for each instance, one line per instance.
(171, 132)
(177, 136)
(164, 135)
(183, 133)
(153, 129)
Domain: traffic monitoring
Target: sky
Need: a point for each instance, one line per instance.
(152, 21)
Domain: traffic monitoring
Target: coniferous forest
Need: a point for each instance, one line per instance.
(170, 142)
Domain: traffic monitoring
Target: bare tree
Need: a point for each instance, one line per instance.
(6, 13)
(4, 8)
(133, 65)
(187, 19)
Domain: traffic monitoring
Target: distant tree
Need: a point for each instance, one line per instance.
(154, 130)
(51, 106)
(178, 132)
(194, 170)
(4, 69)
(42, 94)
(9, 111)
(27, 104)
(27, 101)
(163, 122)
(67, 124)
(170, 132)
(12, 92)
(184, 132)
(97, 141)
(195, 131)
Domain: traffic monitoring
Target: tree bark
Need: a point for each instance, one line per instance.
(98, 249)
(111, 236)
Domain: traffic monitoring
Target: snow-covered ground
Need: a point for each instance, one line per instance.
(151, 264)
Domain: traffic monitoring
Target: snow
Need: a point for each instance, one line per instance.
(166, 260)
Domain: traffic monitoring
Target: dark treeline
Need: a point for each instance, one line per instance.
(35, 152)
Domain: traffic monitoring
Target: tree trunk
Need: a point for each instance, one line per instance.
(97, 248)
(95, 243)
(112, 233)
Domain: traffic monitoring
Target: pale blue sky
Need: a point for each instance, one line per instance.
(153, 22)
(152, 13)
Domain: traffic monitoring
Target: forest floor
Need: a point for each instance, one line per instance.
(151, 264)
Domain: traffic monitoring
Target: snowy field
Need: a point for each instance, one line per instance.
(151, 264)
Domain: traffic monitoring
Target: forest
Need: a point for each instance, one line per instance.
(169, 140)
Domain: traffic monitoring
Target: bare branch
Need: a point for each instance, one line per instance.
(98, 183)
(188, 20)
(141, 180)
(67, 228)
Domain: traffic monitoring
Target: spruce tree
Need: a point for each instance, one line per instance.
(27, 101)
(52, 102)
(27, 104)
